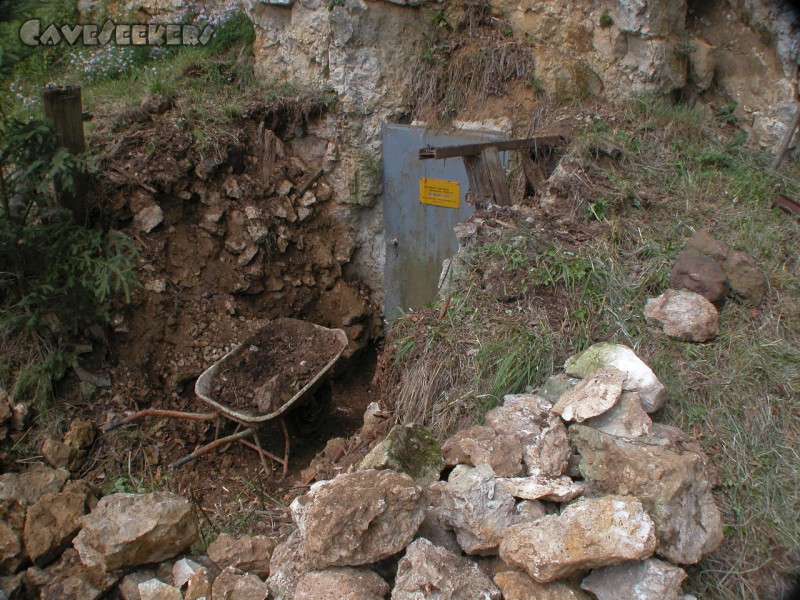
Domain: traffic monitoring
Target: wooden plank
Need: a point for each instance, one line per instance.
(537, 143)
(63, 106)
(267, 152)
(479, 181)
(497, 176)
(535, 171)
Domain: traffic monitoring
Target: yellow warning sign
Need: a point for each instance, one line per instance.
(439, 192)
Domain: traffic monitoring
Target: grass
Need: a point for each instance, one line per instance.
(739, 395)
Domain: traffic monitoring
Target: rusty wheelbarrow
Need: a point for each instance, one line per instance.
(305, 408)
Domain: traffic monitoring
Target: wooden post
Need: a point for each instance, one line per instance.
(785, 142)
(63, 106)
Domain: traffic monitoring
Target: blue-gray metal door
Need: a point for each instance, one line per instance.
(419, 236)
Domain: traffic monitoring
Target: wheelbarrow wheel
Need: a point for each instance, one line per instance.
(310, 416)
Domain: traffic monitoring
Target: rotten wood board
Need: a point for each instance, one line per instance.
(537, 143)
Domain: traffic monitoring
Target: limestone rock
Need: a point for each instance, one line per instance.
(250, 553)
(640, 378)
(12, 523)
(625, 419)
(520, 435)
(747, 282)
(10, 549)
(561, 489)
(81, 434)
(518, 586)
(154, 589)
(684, 315)
(410, 449)
(477, 509)
(702, 64)
(555, 386)
(593, 396)
(199, 585)
(183, 570)
(129, 585)
(433, 529)
(374, 417)
(698, 273)
(651, 579)
(341, 583)
(148, 218)
(481, 445)
(744, 277)
(359, 518)
(588, 533)
(426, 567)
(287, 566)
(70, 578)
(529, 418)
(671, 476)
(51, 523)
(126, 530)
(531, 509)
(60, 455)
(233, 584)
(703, 243)
(26, 488)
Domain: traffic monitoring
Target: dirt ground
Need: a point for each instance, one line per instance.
(233, 249)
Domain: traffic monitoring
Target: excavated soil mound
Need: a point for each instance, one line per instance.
(275, 364)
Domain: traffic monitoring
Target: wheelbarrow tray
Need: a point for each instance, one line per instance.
(251, 416)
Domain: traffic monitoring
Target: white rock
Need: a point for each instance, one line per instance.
(148, 218)
(625, 419)
(153, 589)
(589, 533)
(594, 395)
(640, 378)
(561, 489)
(476, 509)
(684, 315)
(426, 568)
(651, 579)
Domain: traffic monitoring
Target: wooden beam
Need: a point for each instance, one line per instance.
(538, 143)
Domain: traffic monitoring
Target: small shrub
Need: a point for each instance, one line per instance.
(605, 20)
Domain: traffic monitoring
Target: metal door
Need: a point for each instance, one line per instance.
(419, 236)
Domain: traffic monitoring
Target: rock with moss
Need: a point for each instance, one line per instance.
(639, 377)
(409, 449)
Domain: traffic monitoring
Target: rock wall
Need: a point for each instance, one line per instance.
(738, 57)
(365, 53)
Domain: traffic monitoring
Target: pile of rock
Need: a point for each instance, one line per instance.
(705, 274)
(570, 489)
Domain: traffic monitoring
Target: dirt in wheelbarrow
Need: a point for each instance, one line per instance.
(275, 364)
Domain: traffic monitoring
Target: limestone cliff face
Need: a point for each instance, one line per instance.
(366, 52)
(736, 55)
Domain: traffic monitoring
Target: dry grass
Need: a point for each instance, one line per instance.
(466, 61)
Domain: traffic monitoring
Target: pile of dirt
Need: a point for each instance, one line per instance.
(274, 365)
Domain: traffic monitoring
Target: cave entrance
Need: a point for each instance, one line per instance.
(422, 202)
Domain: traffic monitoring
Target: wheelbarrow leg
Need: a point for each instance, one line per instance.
(154, 412)
(213, 446)
(264, 453)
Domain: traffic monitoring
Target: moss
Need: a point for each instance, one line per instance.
(411, 449)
